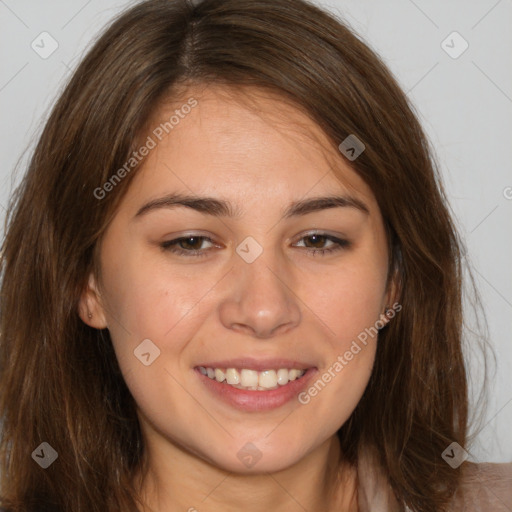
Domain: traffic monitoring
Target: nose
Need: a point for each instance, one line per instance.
(260, 301)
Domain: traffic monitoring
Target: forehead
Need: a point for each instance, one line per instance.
(250, 144)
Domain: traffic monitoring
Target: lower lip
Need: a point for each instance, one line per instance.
(251, 400)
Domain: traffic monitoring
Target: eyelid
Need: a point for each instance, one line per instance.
(176, 240)
(320, 232)
(337, 244)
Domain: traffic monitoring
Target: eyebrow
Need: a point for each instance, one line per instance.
(222, 208)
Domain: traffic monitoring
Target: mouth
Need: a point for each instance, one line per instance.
(253, 380)
(257, 388)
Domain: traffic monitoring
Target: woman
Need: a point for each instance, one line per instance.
(231, 280)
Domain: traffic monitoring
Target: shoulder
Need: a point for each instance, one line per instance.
(484, 487)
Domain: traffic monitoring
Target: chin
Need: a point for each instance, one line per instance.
(255, 457)
(266, 464)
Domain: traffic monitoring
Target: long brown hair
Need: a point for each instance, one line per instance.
(60, 382)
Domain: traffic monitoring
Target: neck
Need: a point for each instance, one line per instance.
(178, 480)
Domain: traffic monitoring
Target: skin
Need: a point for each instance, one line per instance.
(287, 303)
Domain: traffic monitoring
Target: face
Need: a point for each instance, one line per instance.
(257, 278)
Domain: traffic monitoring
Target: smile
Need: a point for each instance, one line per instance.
(255, 389)
(251, 379)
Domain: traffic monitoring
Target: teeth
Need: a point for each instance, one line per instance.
(251, 379)
(220, 375)
(268, 379)
(232, 376)
(294, 374)
(283, 376)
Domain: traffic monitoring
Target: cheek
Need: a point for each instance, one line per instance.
(350, 305)
(157, 302)
(350, 308)
(143, 299)
(349, 300)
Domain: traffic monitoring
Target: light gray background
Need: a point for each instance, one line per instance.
(464, 103)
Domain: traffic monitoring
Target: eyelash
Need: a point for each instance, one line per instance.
(171, 245)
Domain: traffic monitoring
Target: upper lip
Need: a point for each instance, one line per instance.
(258, 364)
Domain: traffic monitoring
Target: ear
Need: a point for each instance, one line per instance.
(90, 308)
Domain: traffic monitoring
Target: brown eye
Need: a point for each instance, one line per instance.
(187, 245)
(316, 243)
(317, 240)
(192, 242)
